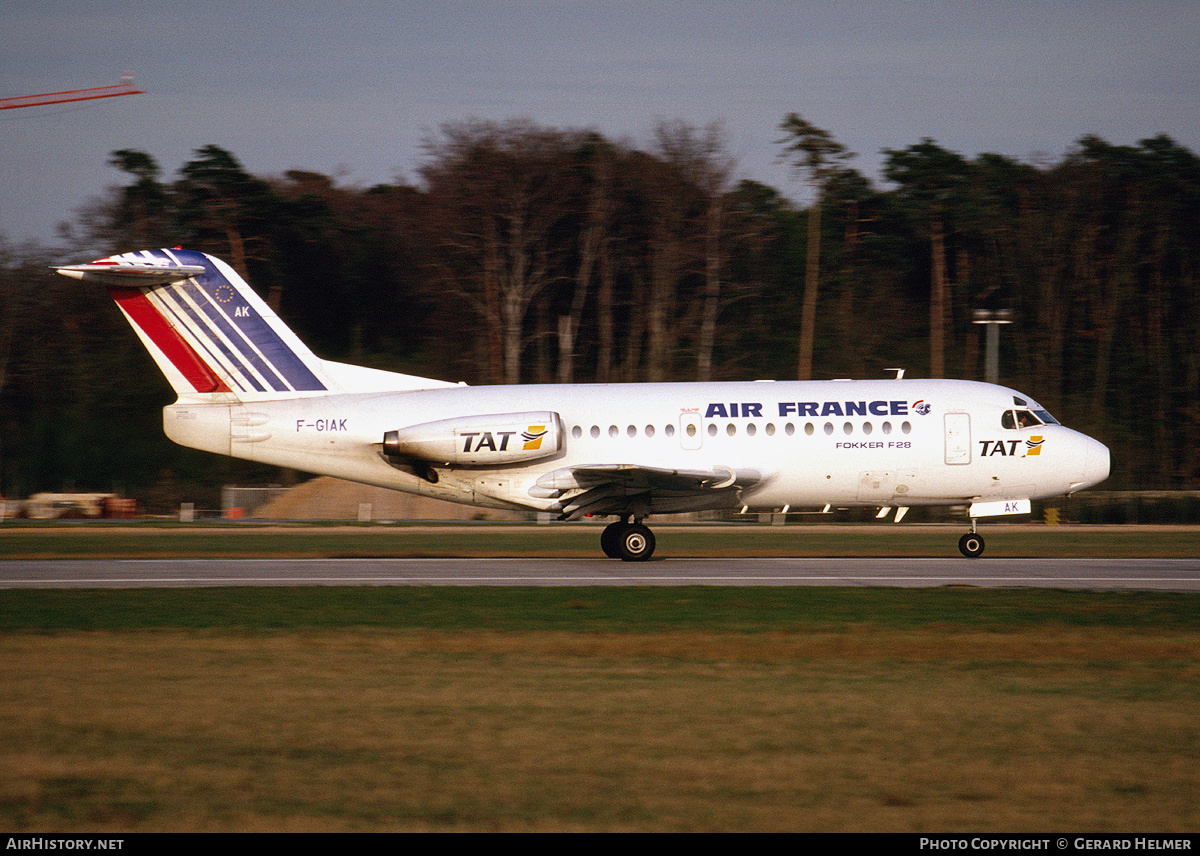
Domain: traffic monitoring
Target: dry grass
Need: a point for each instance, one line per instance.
(859, 728)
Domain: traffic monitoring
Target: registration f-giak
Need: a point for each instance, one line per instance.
(249, 388)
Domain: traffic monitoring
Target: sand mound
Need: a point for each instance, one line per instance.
(327, 498)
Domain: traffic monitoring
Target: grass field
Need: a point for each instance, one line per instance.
(594, 709)
(146, 540)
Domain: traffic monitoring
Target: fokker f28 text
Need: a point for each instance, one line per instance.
(249, 388)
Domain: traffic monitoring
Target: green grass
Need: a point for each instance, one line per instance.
(599, 609)
(147, 540)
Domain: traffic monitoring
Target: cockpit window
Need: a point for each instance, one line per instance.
(1026, 419)
(1019, 419)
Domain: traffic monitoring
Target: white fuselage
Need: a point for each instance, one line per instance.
(876, 443)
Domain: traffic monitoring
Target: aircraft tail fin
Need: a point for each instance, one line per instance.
(211, 334)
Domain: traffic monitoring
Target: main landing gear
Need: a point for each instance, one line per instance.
(630, 542)
(971, 545)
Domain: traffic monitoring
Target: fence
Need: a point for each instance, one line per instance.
(237, 502)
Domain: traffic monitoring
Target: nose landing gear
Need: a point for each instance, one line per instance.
(630, 542)
(971, 545)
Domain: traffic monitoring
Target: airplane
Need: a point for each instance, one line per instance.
(249, 388)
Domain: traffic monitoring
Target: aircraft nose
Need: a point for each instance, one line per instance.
(1097, 461)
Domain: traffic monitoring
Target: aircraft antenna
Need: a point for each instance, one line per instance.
(899, 373)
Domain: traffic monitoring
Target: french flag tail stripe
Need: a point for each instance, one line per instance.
(185, 317)
(155, 330)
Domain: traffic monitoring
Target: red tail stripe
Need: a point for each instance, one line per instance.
(138, 307)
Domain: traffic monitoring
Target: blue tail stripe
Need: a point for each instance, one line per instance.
(210, 338)
(221, 321)
(175, 307)
(201, 299)
(252, 326)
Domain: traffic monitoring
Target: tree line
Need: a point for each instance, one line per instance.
(525, 253)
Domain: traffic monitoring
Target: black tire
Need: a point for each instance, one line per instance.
(637, 543)
(971, 545)
(610, 539)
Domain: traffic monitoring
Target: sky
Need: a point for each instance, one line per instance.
(351, 89)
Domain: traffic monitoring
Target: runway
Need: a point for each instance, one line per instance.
(1096, 574)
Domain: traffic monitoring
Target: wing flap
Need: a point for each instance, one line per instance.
(633, 489)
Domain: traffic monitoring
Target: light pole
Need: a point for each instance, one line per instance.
(993, 318)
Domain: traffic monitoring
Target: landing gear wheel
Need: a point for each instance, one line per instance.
(636, 543)
(610, 539)
(971, 545)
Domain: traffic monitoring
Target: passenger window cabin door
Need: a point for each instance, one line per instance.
(958, 438)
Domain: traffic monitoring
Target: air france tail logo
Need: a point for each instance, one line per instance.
(533, 437)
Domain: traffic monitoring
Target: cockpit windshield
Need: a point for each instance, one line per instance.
(1025, 415)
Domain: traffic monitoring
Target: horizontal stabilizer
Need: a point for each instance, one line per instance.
(130, 274)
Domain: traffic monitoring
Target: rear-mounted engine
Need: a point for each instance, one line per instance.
(501, 438)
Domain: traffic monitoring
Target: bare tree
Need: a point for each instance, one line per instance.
(598, 165)
(499, 190)
(816, 157)
(932, 179)
(699, 154)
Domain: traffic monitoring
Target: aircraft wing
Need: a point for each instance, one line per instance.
(601, 489)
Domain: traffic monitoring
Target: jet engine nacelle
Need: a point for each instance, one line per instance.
(498, 438)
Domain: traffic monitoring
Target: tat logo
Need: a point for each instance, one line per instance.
(1010, 448)
(497, 441)
(533, 437)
